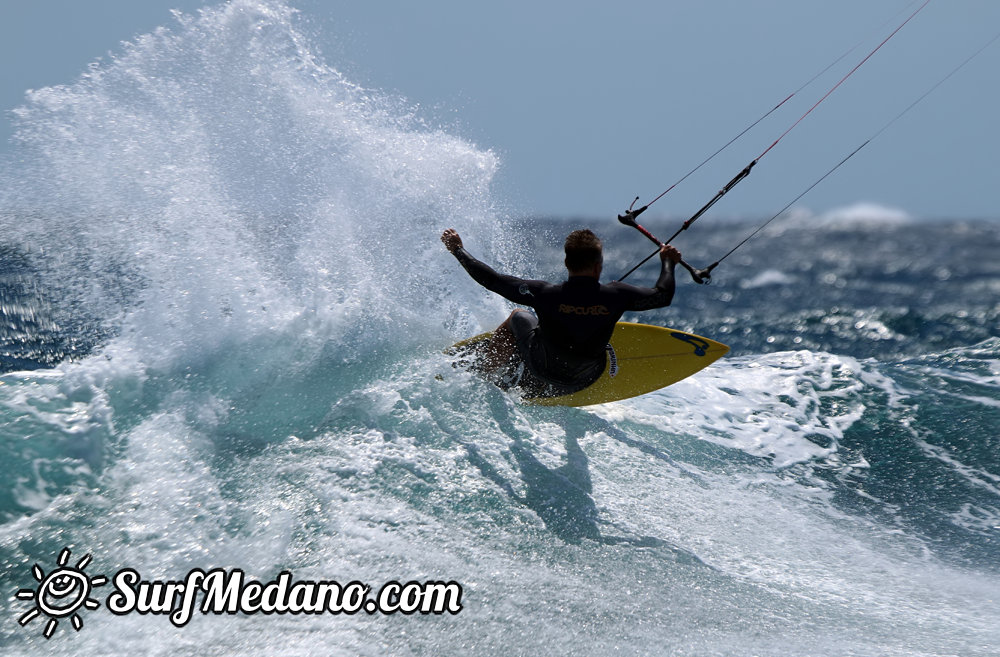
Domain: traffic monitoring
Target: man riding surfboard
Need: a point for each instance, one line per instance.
(561, 348)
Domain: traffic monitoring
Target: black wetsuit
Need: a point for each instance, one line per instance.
(565, 348)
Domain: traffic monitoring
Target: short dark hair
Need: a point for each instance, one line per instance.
(583, 250)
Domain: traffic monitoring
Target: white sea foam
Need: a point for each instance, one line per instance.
(791, 407)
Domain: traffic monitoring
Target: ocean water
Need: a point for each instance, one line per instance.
(224, 303)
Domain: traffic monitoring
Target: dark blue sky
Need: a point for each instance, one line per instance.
(589, 104)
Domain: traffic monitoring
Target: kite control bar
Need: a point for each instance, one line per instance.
(700, 276)
(704, 275)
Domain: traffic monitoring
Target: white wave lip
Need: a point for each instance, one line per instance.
(864, 214)
(768, 277)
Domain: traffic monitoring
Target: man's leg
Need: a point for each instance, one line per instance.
(502, 348)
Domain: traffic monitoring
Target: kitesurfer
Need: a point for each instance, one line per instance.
(561, 347)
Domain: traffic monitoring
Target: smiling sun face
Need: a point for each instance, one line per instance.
(61, 593)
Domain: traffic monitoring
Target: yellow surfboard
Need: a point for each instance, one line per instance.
(641, 359)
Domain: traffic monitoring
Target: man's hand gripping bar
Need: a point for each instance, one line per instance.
(700, 276)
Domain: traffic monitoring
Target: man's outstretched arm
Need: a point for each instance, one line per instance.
(511, 288)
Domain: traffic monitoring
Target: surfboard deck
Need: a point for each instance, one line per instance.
(642, 358)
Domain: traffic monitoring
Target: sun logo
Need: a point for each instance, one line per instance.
(61, 593)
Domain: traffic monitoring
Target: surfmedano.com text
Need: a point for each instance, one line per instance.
(230, 592)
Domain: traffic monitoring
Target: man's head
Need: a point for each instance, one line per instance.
(584, 253)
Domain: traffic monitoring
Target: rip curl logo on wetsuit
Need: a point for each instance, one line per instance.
(700, 345)
(583, 310)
